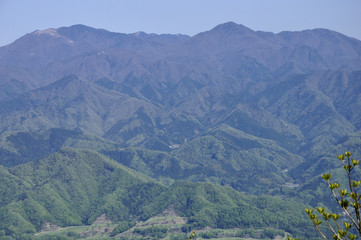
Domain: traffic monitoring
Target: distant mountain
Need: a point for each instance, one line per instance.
(42, 57)
(299, 89)
(260, 112)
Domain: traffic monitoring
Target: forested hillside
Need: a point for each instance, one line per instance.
(230, 129)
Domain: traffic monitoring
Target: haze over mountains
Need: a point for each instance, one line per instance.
(252, 110)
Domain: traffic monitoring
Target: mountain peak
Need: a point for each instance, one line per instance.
(80, 27)
(231, 26)
(50, 34)
(78, 31)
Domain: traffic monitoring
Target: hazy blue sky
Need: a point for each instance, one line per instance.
(18, 17)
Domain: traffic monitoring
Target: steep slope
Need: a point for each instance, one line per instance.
(309, 50)
(156, 91)
(22, 147)
(81, 185)
(43, 56)
(307, 102)
(259, 112)
(73, 187)
(69, 103)
(225, 156)
(252, 110)
(12, 89)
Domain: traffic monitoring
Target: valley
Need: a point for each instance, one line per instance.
(107, 135)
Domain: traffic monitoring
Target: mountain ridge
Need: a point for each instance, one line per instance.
(227, 111)
(82, 185)
(102, 40)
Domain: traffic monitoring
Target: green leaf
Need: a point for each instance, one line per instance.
(344, 203)
(342, 233)
(355, 162)
(356, 205)
(334, 185)
(343, 192)
(352, 237)
(308, 210)
(341, 157)
(335, 216)
(320, 209)
(348, 154)
(347, 225)
(318, 222)
(327, 216)
(355, 184)
(354, 196)
(327, 177)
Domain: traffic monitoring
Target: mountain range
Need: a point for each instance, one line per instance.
(261, 113)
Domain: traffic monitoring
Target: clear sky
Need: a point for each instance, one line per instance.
(18, 17)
